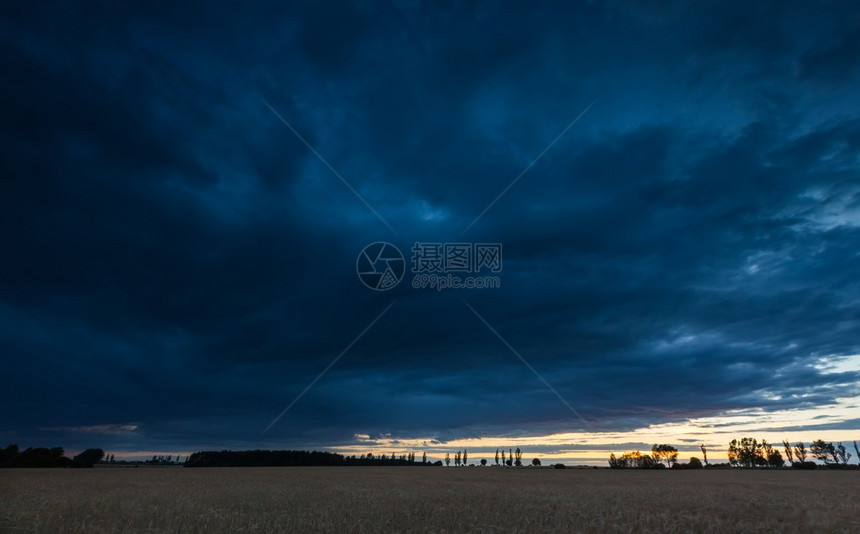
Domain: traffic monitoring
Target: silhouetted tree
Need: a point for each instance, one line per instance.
(770, 456)
(774, 459)
(447, 460)
(497, 453)
(746, 453)
(503, 457)
(518, 457)
(857, 450)
(424, 458)
(834, 454)
(634, 460)
(483, 461)
(695, 463)
(8, 454)
(823, 451)
(704, 453)
(536, 462)
(843, 454)
(733, 453)
(789, 452)
(465, 457)
(88, 458)
(800, 452)
(613, 461)
(665, 453)
(35, 457)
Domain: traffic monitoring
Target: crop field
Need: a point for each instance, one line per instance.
(433, 499)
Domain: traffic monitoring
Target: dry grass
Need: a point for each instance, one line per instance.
(414, 499)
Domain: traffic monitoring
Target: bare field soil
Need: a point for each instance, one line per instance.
(432, 499)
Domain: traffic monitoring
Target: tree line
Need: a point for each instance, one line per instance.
(47, 457)
(267, 458)
(748, 452)
(743, 453)
(157, 459)
(55, 457)
(513, 458)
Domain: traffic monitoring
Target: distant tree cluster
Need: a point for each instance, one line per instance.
(747, 452)
(828, 454)
(638, 460)
(514, 457)
(743, 453)
(160, 460)
(660, 454)
(265, 458)
(461, 458)
(45, 457)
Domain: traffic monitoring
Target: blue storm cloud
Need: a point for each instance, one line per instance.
(175, 258)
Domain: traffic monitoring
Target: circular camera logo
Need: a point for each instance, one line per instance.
(380, 266)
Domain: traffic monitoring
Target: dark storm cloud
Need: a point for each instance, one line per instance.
(177, 261)
(834, 57)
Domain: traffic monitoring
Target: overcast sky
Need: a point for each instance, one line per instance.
(178, 264)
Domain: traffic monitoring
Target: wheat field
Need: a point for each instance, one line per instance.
(431, 499)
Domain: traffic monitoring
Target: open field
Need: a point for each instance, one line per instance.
(417, 499)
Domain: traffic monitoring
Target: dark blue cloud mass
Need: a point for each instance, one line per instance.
(178, 265)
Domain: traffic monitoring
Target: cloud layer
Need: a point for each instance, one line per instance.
(179, 266)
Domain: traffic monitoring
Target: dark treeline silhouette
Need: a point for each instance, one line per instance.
(45, 457)
(749, 453)
(746, 453)
(158, 460)
(514, 457)
(660, 454)
(265, 458)
(638, 460)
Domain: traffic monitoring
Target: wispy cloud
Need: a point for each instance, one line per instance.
(107, 429)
